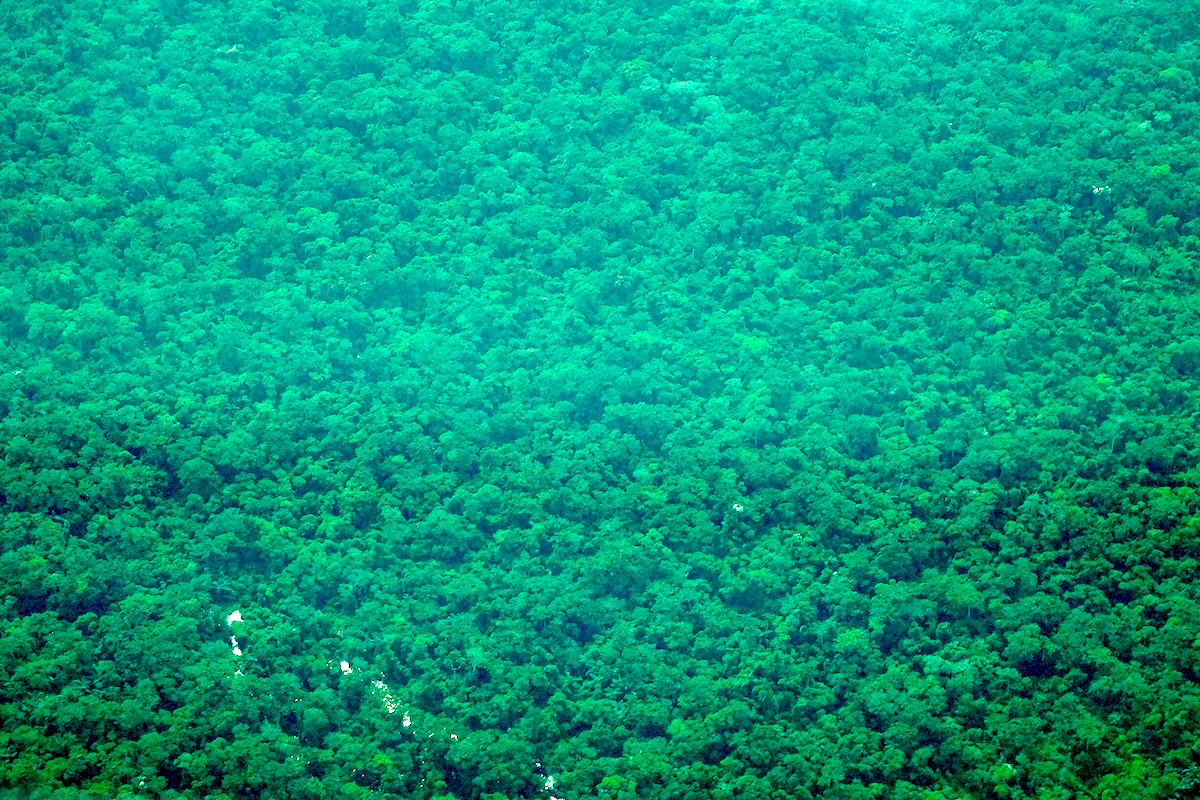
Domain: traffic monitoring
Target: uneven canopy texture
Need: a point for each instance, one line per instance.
(622, 400)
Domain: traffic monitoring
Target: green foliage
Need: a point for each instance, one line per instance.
(628, 400)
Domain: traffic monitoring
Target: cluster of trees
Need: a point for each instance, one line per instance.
(730, 399)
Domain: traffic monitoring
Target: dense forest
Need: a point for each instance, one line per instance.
(468, 399)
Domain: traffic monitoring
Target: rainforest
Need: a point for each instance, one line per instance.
(647, 399)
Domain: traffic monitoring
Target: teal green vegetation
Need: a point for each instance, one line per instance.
(638, 399)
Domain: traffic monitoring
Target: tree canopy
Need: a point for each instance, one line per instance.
(480, 400)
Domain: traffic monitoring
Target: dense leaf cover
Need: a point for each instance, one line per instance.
(634, 399)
